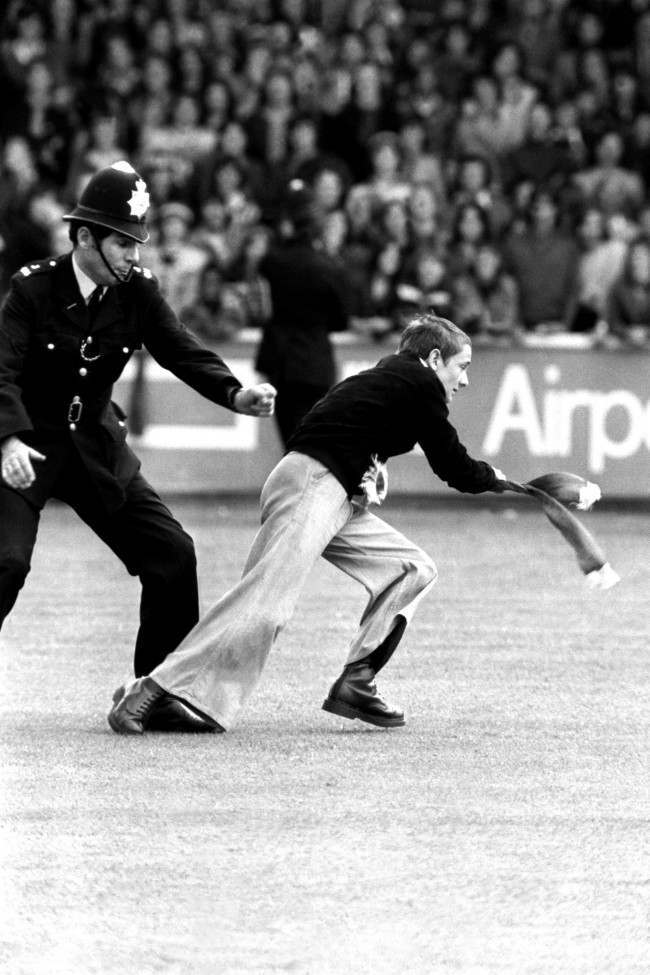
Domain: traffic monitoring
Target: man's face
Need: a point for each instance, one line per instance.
(120, 252)
(452, 373)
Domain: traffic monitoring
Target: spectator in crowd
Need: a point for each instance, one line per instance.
(542, 157)
(361, 112)
(117, 74)
(45, 124)
(516, 97)
(358, 248)
(543, 261)
(333, 234)
(471, 229)
(231, 144)
(594, 76)
(23, 41)
(207, 316)
(486, 299)
(96, 146)
(567, 132)
(456, 63)
(178, 142)
(475, 183)
(150, 107)
(582, 29)
(211, 234)
(608, 184)
(423, 216)
(592, 119)
(223, 307)
(600, 264)
(477, 130)
(160, 37)
(418, 163)
(191, 74)
(536, 29)
(424, 286)
(304, 159)
(306, 85)
(638, 148)
(217, 106)
(29, 231)
(385, 181)
(393, 249)
(22, 238)
(329, 188)
(427, 102)
(246, 293)
(628, 312)
(174, 260)
(625, 100)
(268, 128)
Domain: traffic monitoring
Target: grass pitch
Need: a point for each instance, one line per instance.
(505, 830)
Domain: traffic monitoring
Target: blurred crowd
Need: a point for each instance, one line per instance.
(488, 159)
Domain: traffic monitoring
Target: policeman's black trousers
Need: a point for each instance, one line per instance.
(145, 537)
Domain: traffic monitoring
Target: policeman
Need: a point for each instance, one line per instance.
(68, 327)
(310, 297)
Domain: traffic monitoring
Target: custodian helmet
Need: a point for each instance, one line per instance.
(115, 197)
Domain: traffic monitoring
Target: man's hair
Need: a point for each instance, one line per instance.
(427, 332)
(96, 229)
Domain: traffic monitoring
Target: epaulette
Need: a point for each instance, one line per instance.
(143, 272)
(37, 267)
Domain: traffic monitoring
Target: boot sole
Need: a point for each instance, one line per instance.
(345, 711)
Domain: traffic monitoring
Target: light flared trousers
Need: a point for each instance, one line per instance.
(305, 514)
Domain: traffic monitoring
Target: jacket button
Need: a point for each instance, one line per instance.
(126, 350)
(50, 345)
(83, 371)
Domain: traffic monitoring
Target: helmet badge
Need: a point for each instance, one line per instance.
(139, 202)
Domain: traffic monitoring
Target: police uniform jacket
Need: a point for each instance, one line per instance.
(386, 411)
(310, 299)
(57, 369)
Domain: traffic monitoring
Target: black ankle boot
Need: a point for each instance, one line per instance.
(354, 695)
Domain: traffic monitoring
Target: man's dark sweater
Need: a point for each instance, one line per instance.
(385, 411)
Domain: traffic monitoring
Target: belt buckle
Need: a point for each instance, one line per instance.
(75, 410)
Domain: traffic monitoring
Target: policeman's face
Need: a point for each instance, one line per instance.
(452, 372)
(120, 252)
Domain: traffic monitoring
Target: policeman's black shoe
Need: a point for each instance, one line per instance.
(354, 695)
(165, 713)
(132, 706)
(172, 714)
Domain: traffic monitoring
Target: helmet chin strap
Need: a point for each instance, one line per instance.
(106, 264)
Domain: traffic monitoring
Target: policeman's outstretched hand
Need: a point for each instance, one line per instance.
(17, 468)
(256, 400)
